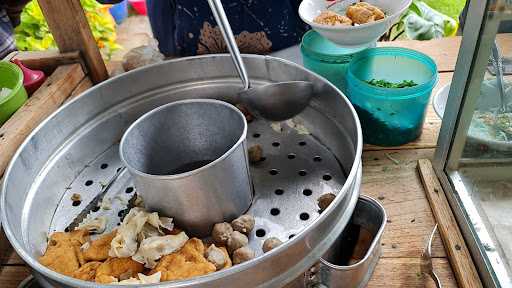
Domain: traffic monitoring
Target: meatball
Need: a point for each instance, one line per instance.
(237, 240)
(255, 154)
(242, 255)
(325, 200)
(221, 233)
(243, 224)
(216, 256)
(270, 244)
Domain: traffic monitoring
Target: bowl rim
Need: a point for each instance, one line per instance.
(343, 28)
(381, 92)
(19, 84)
(162, 109)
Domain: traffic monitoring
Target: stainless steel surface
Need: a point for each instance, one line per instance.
(65, 155)
(426, 260)
(273, 101)
(329, 272)
(95, 202)
(497, 61)
(176, 151)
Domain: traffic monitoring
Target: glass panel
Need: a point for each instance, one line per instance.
(485, 168)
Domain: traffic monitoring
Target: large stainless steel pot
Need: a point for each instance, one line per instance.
(66, 147)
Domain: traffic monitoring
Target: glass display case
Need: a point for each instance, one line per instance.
(474, 155)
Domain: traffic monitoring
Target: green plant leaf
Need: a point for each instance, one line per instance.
(33, 32)
(425, 23)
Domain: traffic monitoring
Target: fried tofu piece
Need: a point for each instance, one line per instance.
(115, 269)
(87, 272)
(379, 14)
(362, 13)
(186, 263)
(77, 237)
(63, 252)
(98, 249)
(328, 17)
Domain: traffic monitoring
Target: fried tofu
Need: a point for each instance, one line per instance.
(362, 13)
(63, 252)
(98, 249)
(112, 270)
(186, 263)
(87, 272)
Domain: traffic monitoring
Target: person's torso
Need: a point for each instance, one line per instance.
(260, 26)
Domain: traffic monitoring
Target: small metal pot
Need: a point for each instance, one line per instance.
(350, 261)
(189, 161)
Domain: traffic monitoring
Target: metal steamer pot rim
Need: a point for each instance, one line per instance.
(195, 171)
(354, 173)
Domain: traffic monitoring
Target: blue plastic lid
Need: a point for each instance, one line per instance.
(316, 46)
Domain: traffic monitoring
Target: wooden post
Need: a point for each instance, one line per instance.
(458, 253)
(70, 29)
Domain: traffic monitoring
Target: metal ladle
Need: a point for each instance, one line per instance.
(497, 61)
(276, 101)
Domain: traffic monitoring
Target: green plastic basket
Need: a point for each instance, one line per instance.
(11, 77)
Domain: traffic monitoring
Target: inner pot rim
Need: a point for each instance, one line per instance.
(240, 140)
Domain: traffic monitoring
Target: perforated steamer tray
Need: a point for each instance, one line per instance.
(76, 151)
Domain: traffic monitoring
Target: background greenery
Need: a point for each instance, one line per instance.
(451, 8)
(33, 32)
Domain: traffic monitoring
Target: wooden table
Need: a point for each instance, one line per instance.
(389, 175)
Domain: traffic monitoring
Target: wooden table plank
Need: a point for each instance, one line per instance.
(7, 254)
(11, 276)
(398, 188)
(444, 51)
(405, 272)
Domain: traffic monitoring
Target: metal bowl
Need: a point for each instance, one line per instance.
(489, 100)
(76, 148)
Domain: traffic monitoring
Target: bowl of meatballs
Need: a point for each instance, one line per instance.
(352, 23)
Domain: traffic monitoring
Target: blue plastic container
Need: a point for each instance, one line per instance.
(391, 116)
(326, 58)
(119, 11)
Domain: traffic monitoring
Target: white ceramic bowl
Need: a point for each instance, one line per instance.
(353, 36)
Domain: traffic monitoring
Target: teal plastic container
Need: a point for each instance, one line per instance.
(326, 58)
(391, 116)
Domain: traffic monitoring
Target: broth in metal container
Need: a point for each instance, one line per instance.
(188, 160)
(350, 261)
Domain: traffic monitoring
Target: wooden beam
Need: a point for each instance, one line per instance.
(458, 253)
(47, 61)
(44, 101)
(84, 85)
(70, 29)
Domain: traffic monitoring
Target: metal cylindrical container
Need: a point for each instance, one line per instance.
(189, 161)
(350, 261)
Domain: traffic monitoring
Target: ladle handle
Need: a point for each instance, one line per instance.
(227, 33)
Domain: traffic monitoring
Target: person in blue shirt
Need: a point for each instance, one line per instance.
(187, 27)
